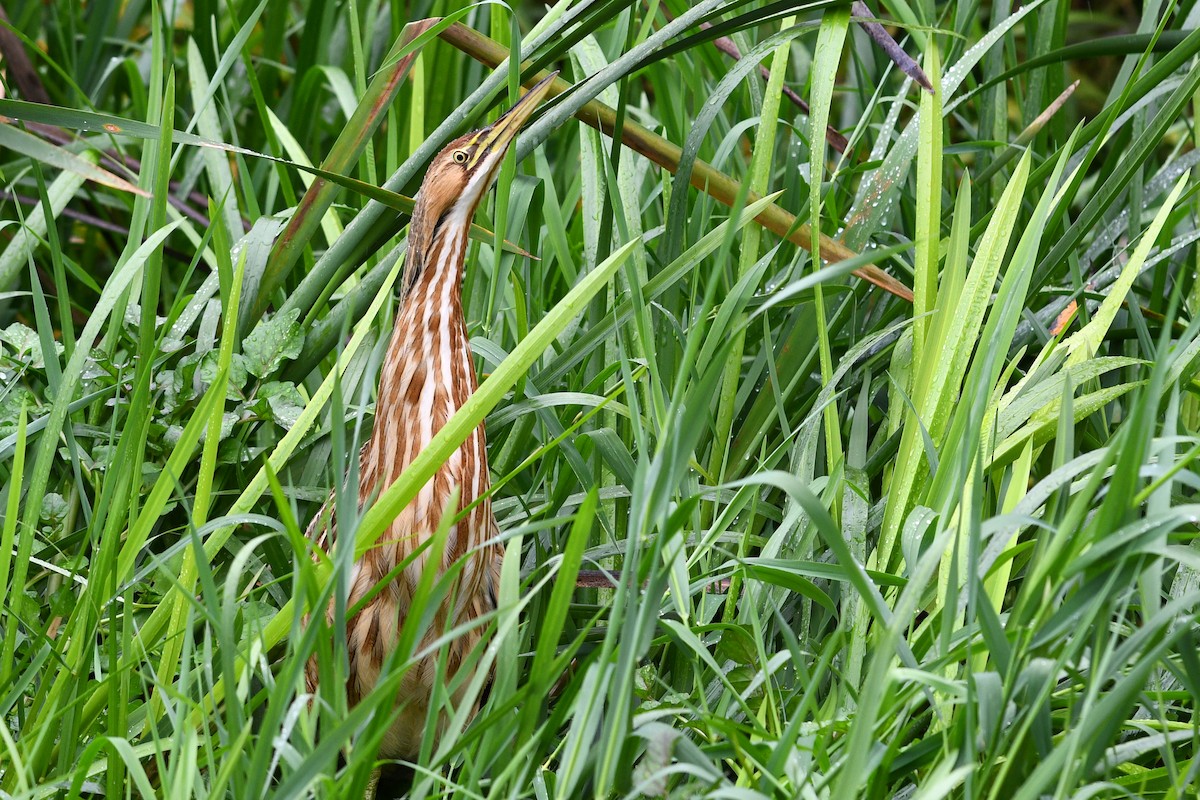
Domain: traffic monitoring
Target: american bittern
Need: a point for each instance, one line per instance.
(427, 375)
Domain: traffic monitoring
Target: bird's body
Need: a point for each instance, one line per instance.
(427, 375)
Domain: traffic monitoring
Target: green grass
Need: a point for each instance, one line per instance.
(867, 547)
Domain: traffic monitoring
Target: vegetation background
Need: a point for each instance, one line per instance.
(871, 546)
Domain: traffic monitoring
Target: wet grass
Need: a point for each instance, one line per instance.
(901, 509)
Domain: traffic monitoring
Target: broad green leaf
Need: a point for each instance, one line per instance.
(272, 342)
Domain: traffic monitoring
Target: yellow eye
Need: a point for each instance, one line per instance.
(460, 156)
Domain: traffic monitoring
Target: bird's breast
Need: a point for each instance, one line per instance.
(428, 374)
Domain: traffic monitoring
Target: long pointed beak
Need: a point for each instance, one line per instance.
(502, 132)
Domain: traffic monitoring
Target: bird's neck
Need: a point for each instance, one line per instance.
(428, 372)
(437, 273)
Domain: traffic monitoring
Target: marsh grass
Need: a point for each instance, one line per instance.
(866, 547)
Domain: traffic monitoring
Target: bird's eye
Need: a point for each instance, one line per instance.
(460, 156)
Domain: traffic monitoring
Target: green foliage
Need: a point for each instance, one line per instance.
(272, 342)
(861, 547)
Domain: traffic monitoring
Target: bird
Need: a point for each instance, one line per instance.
(426, 375)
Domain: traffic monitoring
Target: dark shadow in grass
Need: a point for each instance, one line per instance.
(395, 781)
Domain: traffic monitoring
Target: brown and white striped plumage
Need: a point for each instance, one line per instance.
(428, 373)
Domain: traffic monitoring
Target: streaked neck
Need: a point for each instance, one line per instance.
(428, 372)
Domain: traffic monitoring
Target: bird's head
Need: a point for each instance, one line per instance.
(460, 175)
